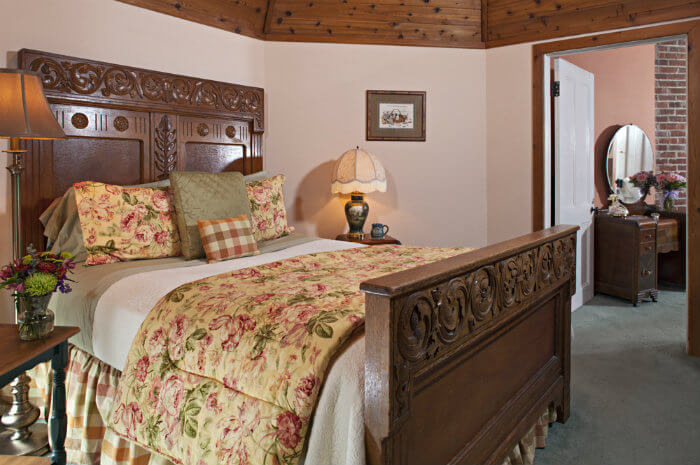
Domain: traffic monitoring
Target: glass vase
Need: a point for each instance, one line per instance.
(668, 203)
(34, 319)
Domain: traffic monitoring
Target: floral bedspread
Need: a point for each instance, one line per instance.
(227, 370)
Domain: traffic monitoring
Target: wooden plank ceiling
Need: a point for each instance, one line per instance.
(441, 23)
(518, 21)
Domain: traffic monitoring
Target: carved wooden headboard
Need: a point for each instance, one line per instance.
(128, 125)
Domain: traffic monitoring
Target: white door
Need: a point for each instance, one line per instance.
(574, 165)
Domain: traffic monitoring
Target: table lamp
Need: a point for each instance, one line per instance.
(24, 114)
(357, 172)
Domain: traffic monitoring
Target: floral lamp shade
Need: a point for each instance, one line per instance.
(358, 171)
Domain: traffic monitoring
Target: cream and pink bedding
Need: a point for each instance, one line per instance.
(110, 302)
(227, 369)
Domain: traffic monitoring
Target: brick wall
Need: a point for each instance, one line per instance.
(672, 109)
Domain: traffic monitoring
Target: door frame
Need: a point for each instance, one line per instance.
(691, 29)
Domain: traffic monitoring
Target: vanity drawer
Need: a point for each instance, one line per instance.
(647, 272)
(647, 248)
(647, 235)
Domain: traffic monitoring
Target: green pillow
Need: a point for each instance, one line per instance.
(260, 175)
(205, 196)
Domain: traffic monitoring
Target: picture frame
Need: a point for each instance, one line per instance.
(395, 115)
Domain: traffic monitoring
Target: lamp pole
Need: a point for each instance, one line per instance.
(25, 435)
(15, 169)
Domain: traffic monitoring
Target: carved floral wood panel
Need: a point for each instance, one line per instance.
(77, 78)
(432, 320)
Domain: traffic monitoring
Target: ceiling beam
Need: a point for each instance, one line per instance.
(268, 15)
(436, 23)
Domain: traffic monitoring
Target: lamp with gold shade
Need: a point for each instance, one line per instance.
(357, 172)
(24, 114)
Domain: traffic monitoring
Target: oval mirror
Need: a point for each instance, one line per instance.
(629, 152)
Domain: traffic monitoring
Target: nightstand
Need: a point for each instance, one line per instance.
(19, 356)
(386, 240)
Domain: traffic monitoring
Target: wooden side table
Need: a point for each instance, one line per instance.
(19, 356)
(386, 240)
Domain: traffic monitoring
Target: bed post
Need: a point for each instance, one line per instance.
(465, 354)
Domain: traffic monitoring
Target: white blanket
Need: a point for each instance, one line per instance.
(337, 433)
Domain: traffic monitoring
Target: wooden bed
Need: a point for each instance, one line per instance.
(462, 355)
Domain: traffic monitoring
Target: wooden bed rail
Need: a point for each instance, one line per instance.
(465, 354)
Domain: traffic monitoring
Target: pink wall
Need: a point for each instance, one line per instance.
(509, 139)
(316, 110)
(509, 142)
(116, 32)
(624, 94)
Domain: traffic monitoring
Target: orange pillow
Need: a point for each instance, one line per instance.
(228, 238)
(269, 217)
(126, 223)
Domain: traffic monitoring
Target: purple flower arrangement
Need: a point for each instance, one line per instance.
(37, 274)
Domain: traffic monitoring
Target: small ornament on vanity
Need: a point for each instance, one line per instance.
(33, 278)
(616, 208)
(357, 172)
(379, 230)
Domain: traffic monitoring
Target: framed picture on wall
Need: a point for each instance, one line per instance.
(395, 115)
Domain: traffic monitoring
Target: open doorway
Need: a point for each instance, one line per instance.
(618, 114)
(543, 54)
(629, 370)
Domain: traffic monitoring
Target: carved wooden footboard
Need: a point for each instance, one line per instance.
(464, 354)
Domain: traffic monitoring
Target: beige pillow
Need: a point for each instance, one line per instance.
(205, 197)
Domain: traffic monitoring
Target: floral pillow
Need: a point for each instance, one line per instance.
(268, 216)
(126, 223)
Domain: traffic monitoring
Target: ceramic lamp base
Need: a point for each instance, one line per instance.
(356, 211)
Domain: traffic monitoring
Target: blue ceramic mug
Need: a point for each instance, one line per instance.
(379, 230)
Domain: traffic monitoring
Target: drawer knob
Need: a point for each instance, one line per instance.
(646, 272)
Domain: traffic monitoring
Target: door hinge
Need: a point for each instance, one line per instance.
(555, 88)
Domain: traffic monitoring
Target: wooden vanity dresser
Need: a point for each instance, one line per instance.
(625, 257)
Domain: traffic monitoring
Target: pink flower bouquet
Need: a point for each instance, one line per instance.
(671, 184)
(644, 180)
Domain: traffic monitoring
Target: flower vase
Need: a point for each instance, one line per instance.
(668, 202)
(34, 318)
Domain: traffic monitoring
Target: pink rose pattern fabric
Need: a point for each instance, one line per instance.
(268, 215)
(126, 223)
(227, 370)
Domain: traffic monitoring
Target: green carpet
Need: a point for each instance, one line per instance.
(635, 395)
